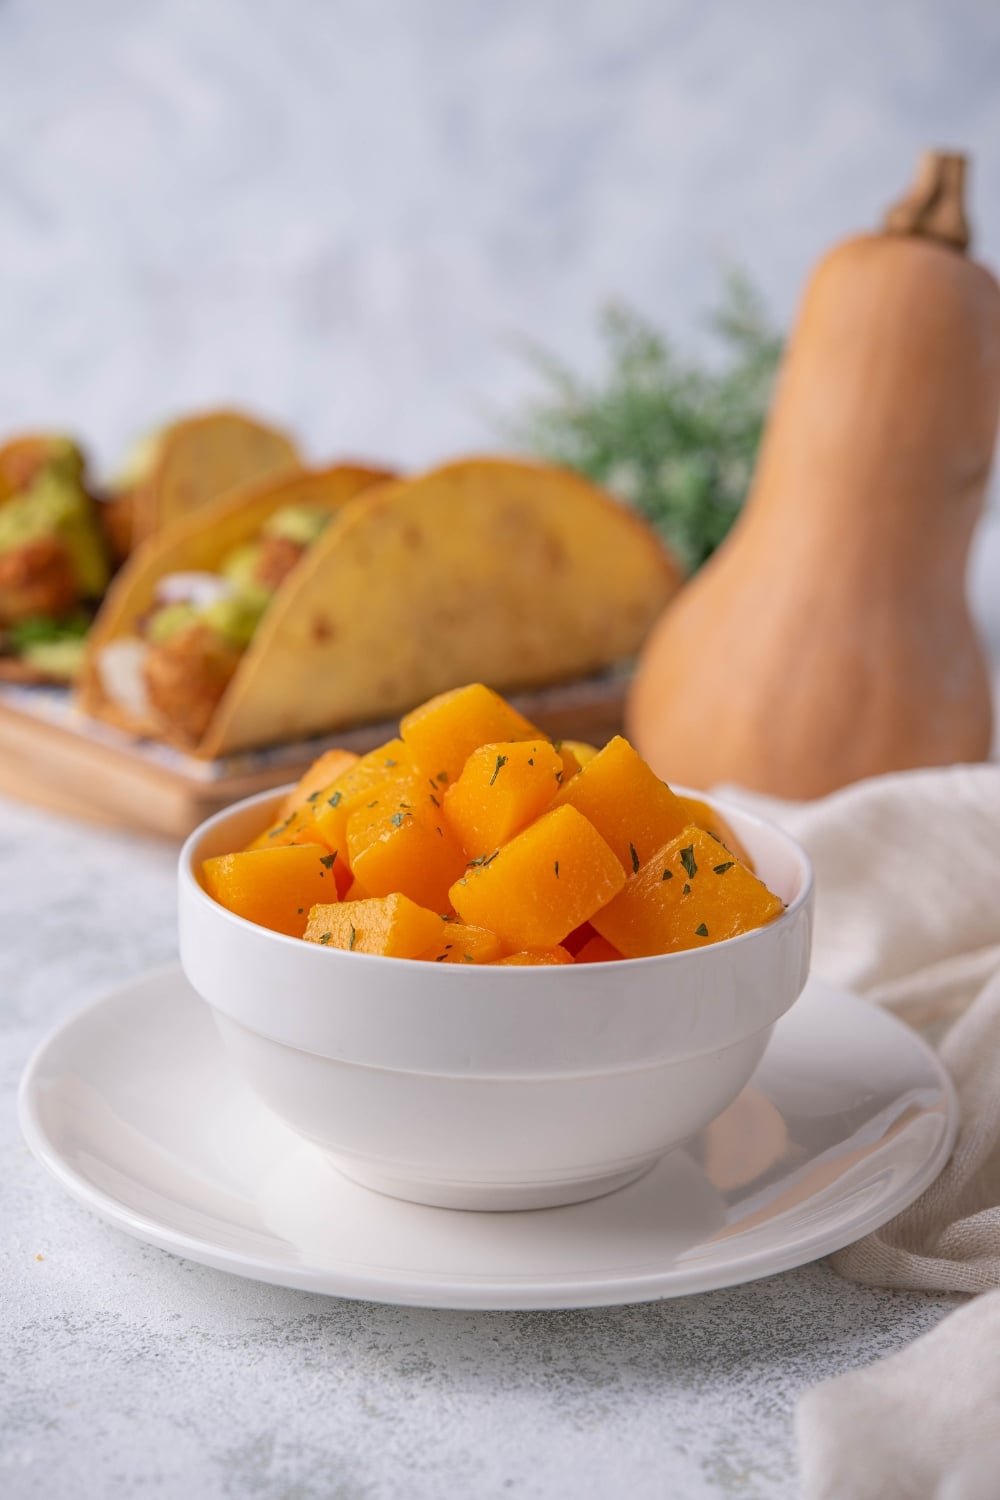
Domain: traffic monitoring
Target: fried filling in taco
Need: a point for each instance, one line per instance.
(54, 563)
(185, 650)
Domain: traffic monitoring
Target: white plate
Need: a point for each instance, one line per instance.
(133, 1106)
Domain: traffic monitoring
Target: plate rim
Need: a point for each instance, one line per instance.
(434, 1291)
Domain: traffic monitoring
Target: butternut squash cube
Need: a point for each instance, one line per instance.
(330, 765)
(502, 788)
(597, 951)
(459, 944)
(399, 841)
(393, 926)
(579, 749)
(536, 956)
(443, 732)
(322, 818)
(570, 765)
(714, 823)
(273, 887)
(631, 808)
(691, 893)
(546, 881)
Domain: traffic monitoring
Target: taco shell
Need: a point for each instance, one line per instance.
(484, 570)
(195, 461)
(200, 542)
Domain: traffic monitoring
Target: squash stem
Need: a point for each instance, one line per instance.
(934, 208)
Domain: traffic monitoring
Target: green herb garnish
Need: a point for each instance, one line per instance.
(635, 858)
(326, 937)
(721, 869)
(334, 801)
(482, 860)
(397, 819)
(353, 937)
(701, 930)
(685, 889)
(390, 762)
(675, 438)
(556, 868)
(688, 860)
(668, 874)
(328, 859)
(313, 796)
(501, 762)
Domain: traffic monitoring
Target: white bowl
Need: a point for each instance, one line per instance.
(493, 1088)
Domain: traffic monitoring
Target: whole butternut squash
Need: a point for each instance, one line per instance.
(829, 638)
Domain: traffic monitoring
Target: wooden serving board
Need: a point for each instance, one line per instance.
(54, 757)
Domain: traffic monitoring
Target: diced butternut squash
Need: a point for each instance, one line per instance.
(597, 951)
(399, 841)
(569, 763)
(713, 822)
(534, 956)
(575, 940)
(393, 926)
(546, 881)
(459, 944)
(627, 803)
(273, 887)
(502, 788)
(442, 733)
(579, 750)
(691, 893)
(327, 768)
(322, 819)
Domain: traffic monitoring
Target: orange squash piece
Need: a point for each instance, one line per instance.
(459, 944)
(400, 841)
(546, 881)
(570, 764)
(714, 823)
(502, 788)
(579, 750)
(443, 732)
(273, 887)
(597, 951)
(330, 765)
(536, 956)
(631, 808)
(393, 926)
(322, 819)
(691, 893)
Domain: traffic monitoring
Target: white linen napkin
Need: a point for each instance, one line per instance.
(908, 914)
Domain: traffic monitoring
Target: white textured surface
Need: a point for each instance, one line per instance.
(337, 212)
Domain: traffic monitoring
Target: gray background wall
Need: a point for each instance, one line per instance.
(342, 212)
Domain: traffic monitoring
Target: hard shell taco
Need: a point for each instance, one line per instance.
(54, 560)
(186, 465)
(186, 610)
(509, 573)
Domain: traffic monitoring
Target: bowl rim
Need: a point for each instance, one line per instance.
(191, 885)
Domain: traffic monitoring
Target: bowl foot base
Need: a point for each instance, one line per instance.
(490, 1197)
